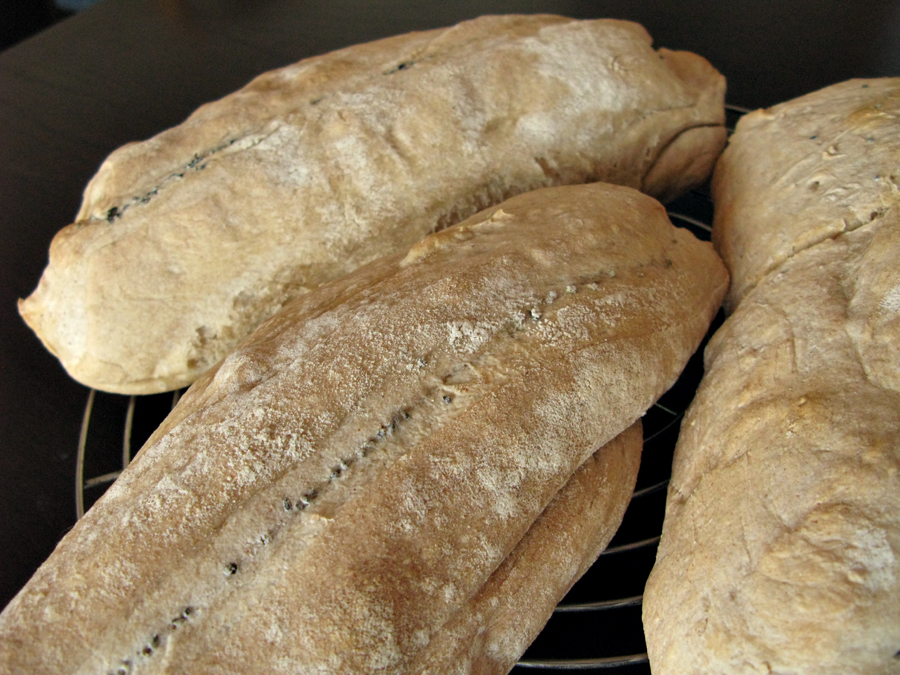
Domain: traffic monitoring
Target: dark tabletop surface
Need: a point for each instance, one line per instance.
(126, 69)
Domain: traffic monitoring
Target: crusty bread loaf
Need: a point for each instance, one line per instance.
(780, 550)
(185, 242)
(330, 495)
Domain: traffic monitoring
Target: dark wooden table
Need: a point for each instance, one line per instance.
(126, 69)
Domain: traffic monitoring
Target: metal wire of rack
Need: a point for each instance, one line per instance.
(597, 627)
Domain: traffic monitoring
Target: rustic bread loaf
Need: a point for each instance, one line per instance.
(185, 242)
(330, 495)
(780, 550)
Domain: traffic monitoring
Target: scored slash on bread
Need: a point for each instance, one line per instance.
(336, 491)
(187, 241)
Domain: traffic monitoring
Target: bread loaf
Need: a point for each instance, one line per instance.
(186, 241)
(329, 496)
(780, 551)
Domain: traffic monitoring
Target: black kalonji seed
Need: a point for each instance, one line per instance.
(401, 66)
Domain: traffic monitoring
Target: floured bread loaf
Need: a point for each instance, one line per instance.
(185, 242)
(335, 492)
(780, 550)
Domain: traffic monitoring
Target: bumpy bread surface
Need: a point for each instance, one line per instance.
(490, 633)
(780, 551)
(328, 496)
(832, 155)
(187, 241)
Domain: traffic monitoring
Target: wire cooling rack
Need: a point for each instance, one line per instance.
(597, 627)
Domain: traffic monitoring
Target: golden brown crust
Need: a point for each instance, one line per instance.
(780, 550)
(333, 491)
(185, 242)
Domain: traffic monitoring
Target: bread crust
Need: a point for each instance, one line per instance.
(780, 551)
(329, 495)
(492, 631)
(187, 241)
(831, 155)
